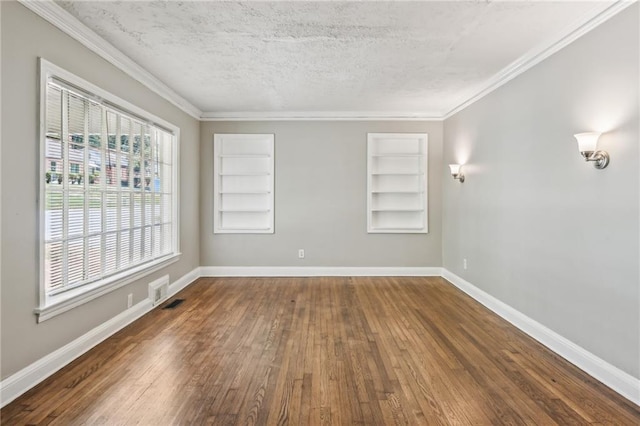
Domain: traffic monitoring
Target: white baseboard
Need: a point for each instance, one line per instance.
(28, 377)
(621, 382)
(318, 271)
(618, 380)
(20, 382)
(184, 281)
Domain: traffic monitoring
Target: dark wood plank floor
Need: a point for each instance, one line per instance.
(311, 351)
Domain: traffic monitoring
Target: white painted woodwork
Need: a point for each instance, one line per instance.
(243, 183)
(397, 183)
(237, 60)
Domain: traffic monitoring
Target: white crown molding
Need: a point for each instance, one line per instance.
(20, 382)
(318, 271)
(539, 54)
(618, 380)
(521, 65)
(66, 22)
(320, 116)
(63, 20)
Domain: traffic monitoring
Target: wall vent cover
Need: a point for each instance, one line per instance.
(159, 290)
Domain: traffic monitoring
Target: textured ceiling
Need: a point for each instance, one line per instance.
(391, 57)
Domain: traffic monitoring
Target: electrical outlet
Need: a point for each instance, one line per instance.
(129, 300)
(464, 263)
(301, 254)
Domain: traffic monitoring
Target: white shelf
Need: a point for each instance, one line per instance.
(397, 182)
(397, 155)
(397, 174)
(245, 192)
(243, 183)
(245, 228)
(397, 210)
(244, 156)
(397, 192)
(245, 174)
(244, 210)
(396, 228)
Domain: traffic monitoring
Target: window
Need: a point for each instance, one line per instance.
(113, 215)
(53, 166)
(397, 183)
(243, 183)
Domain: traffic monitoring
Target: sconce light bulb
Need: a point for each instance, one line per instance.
(456, 172)
(588, 141)
(588, 147)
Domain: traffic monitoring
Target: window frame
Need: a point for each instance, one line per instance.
(52, 305)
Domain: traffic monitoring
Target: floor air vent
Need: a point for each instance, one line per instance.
(174, 304)
(159, 290)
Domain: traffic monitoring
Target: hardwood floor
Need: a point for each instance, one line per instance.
(312, 351)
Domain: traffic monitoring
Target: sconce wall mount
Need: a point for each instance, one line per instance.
(587, 144)
(456, 172)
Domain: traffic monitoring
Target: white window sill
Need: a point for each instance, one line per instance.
(55, 305)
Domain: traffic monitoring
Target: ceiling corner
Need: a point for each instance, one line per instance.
(63, 20)
(539, 54)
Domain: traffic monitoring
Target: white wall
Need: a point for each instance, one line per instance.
(542, 231)
(320, 199)
(24, 38)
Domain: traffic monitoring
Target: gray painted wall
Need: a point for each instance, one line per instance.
(526, 218)
(543, 231)
(25, 37)
(320, 199)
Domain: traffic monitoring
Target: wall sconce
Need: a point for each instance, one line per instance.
(456, 173)
(587, 143)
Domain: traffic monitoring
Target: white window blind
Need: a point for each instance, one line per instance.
(109, 206)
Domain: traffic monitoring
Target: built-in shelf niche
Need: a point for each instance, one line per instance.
(397, 183)
(243, 183)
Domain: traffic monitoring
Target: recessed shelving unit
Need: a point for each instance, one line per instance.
(397, 183)
(243, 183)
